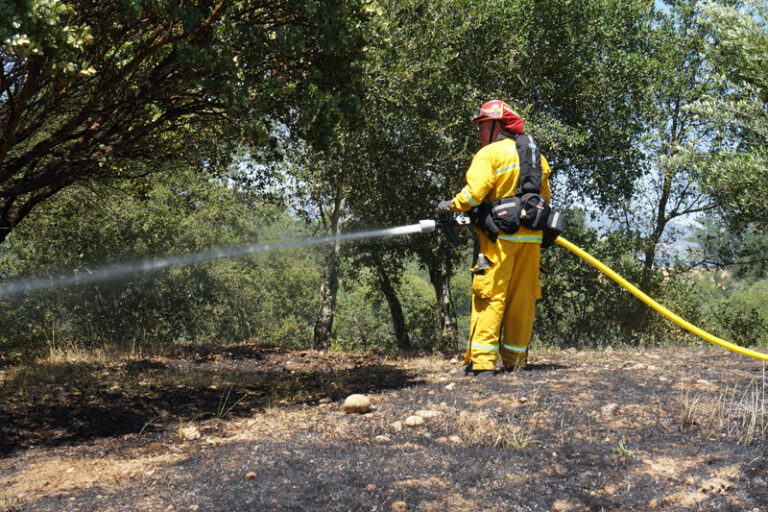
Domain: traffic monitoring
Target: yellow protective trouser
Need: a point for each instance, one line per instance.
(505, 295)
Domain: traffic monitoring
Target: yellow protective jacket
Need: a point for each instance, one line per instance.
(494, 174)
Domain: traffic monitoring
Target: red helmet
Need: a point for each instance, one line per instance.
(497, 110)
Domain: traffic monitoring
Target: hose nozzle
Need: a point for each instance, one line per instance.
(447, 224)
(427, 225)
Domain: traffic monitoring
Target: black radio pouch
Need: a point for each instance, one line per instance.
(530, 165)
(505, 213)
(534, 211)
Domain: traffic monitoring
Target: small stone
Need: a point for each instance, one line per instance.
(250, 475)
(608, 409)
(428, 414)
(397, 426)
(653, 503)
(455, 360)
(399, 505)
(188, 433)
(382, 439)
(414, 421)
(450, 387)
(563, 506)
(325, 400)
(370, 487)
(455, 439)
(441, 440)
(357, 404)
(572, 350)
(522, 400)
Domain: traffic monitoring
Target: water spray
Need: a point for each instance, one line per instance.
(446, 225)
(119, 270)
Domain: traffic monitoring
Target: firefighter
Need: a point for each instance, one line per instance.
(505, 284)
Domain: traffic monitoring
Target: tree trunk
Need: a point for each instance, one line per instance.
(448, 332)
(395, 309)
(660, 223)
(330, 286)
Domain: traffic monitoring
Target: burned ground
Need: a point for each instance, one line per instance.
(251, 428)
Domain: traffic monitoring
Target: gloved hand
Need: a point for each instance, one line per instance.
(444, 207)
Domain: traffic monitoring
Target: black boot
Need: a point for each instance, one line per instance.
(471, 372)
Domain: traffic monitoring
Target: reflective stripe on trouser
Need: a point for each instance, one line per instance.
(505, 295)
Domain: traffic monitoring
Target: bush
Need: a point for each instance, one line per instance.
(267, 296)
(584, 308)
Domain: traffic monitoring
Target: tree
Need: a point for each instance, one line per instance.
(575, 67)
(736, 112)
(669, 191)
(120, 90)
(325, 154)
(742, 251)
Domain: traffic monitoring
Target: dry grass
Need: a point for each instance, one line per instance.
(9, 504)
(733, 412)
(595, 426)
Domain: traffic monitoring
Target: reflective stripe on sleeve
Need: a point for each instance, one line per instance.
(535, 239)
(472, 200)
(513, 348)
(507, 169)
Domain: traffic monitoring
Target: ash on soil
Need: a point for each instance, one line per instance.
(629, 430)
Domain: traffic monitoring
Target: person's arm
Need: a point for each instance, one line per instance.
(545, 171)
(479, 183)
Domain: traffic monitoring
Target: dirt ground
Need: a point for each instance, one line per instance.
(246, 427)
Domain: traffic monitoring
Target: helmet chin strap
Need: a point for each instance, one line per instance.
(493, 129)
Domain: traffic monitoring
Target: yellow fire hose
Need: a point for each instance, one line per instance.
(655, 305)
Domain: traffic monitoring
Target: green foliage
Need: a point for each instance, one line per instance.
(368, 107)
(130, 89)
(741, 250)
(582, 307)
(732, 307)
(738, 51)
(268, 296)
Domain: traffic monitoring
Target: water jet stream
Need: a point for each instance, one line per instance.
(119, 270)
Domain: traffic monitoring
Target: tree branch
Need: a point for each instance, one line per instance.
(18, 104)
